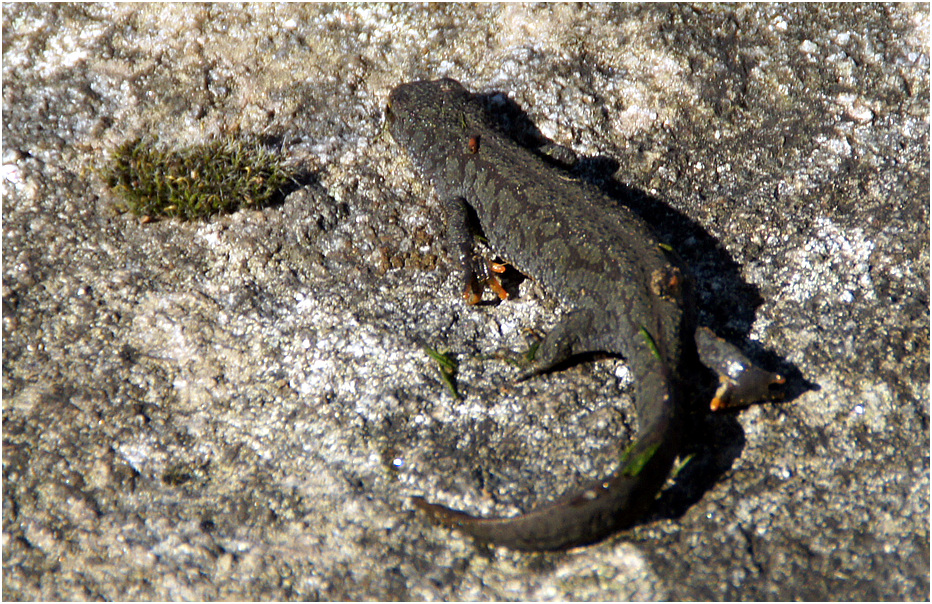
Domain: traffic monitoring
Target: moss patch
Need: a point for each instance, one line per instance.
(197, 181)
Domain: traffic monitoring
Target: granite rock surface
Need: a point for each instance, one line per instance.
(240, 407)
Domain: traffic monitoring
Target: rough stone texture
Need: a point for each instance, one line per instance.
(238, 408)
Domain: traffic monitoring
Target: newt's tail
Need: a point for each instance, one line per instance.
(600, 509)
(618, 501)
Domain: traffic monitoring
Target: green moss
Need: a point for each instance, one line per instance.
(197, 181)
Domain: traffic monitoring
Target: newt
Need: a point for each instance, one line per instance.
(627, 292)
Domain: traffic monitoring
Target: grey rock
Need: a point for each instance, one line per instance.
(238, 408)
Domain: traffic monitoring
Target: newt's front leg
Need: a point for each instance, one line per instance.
(476, 271)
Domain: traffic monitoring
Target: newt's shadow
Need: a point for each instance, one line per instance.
(725, 302)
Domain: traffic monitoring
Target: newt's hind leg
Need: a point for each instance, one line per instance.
(741, 382)
(563, 341)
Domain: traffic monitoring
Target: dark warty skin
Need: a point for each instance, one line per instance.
(628, 295)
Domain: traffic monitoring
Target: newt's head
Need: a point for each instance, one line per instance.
(424, 100)
(432, 119)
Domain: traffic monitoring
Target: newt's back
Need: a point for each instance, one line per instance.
(580, 246)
